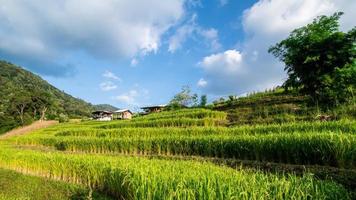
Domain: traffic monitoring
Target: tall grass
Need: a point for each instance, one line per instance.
(139, 178)
(190, 132)
(298, 148)
(197, 113)
(340, 127)
(179, 122)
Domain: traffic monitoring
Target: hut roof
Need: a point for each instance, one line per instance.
(102, 112)
(154, 106)
(123, 110)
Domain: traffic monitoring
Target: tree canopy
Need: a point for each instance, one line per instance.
(26, 97)
(320, 60)
(184, 99)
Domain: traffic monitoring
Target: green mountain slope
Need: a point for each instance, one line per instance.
(106, 107)
(26, 97)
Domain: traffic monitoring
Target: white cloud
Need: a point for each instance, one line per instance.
(223, 2)
(134, 62)
(194, 3)
(182, 33)
(133, 97)
(191, 29)
(128, 98)
(107, 86)
(202, 83)
(34, 31)
(228, 61)
(212, 35)
(124, 98)
(266, 23)
(110, 75)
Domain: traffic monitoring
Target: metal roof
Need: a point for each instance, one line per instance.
(156, 106)
(102, 111)
(123, 110)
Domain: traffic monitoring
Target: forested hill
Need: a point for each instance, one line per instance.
(26, 97)
(107, 107)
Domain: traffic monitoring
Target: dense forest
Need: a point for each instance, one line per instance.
(26, 97)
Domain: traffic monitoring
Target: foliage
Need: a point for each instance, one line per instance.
(183, 99)
(320, 60)
(63, 118)
(106, 107)
(203, 101)
(26, 97)
(339, 87)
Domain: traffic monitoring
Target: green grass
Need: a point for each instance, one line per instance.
(179, 122)
(198, 113)
(327, 143)
(140, 178)
(278, 106)
(303, 148)
(342, 127)
(14, 186)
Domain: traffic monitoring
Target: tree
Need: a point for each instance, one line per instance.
(203, 100)
(316, 57)
(219, 101)
(184, 98)
(339, 87)
(41, 101)
(20, 101)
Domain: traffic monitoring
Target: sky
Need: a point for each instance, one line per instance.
(132, 53)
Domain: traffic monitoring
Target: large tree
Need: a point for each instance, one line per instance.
(20, 102)
(320, 60)
(184, 99)
(41, 102)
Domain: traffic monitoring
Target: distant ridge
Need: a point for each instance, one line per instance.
(106, 107)
(26, 97)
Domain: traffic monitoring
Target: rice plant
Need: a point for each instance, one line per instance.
(298, 148)
(104, 156)
(140, 178)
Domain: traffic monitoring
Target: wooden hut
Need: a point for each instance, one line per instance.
(123, 114)
(102, 115)
(153, 109)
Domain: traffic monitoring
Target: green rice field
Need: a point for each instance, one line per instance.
(155, 157)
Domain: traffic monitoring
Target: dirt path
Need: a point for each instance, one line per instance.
(27, 129)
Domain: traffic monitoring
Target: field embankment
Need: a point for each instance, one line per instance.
(29, 128)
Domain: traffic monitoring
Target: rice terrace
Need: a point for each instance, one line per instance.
(263, 133)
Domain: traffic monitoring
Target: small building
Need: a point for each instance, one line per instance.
(102, 115)
(123, 114)
(153, 109)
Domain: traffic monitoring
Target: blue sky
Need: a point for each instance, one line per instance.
(131, 53)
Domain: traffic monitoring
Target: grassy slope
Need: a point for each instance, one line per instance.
(14, 185)
(278, 107)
